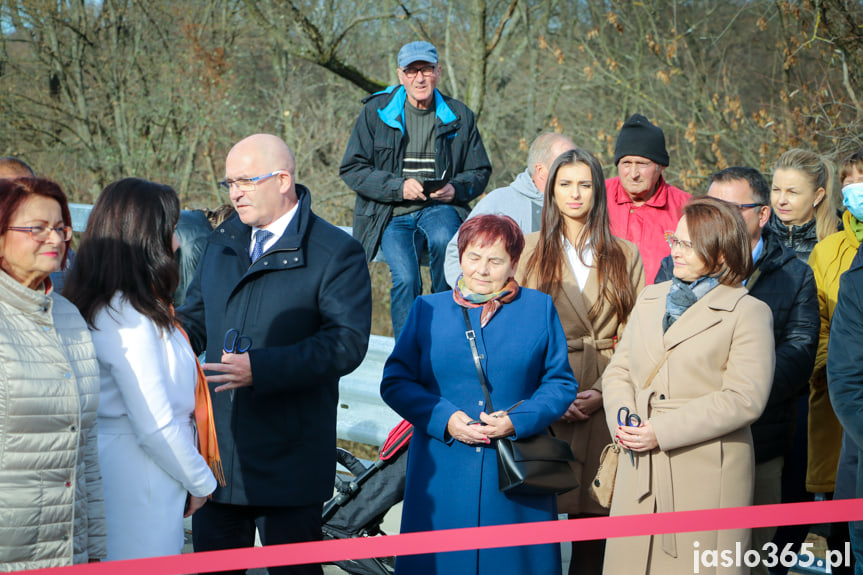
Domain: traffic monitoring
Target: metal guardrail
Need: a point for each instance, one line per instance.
(362, 415)
(80, 215)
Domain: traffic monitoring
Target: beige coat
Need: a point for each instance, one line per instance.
(51, 508)
(591, 345)
(712, 386)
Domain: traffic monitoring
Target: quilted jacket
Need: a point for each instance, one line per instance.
(51, 507)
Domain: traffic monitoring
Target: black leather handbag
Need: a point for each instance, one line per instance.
(537, 465)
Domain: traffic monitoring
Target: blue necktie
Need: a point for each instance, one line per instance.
(261, 237)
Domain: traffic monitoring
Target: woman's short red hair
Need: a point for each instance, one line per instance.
(489, 228)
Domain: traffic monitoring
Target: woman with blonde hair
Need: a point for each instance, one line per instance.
(802, 201)
(593, 279)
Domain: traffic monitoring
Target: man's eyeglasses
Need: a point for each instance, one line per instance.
(246, 184)
(426, 71)
(674, 242)
(742, 207)
(42, 233)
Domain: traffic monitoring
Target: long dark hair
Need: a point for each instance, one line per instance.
(547, 261)
(128, 248)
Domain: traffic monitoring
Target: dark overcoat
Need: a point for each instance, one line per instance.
(431, 375)
(306, 305)
(845, 363)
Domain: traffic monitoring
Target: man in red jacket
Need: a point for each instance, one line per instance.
(641, 205)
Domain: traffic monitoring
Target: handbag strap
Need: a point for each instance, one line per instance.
(471, 338)
(656, 369)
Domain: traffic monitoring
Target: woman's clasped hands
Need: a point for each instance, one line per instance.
(472, 432)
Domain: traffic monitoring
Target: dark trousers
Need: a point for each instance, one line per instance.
(219, 526)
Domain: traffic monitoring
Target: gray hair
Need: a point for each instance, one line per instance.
(540, 151)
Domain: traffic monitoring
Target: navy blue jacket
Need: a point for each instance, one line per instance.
(845, 359)
(786, 284)
(306, 305)
(372, 164)
(192, 230)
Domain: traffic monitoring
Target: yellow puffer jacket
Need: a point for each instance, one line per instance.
(51, 507)
(829, 260)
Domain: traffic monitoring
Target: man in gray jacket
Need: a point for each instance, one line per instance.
(521, 200)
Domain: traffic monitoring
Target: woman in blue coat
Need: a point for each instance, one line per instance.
(430, 380)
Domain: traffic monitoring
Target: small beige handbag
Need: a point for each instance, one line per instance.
(602, 487)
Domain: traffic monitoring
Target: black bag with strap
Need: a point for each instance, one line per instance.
(537, 465)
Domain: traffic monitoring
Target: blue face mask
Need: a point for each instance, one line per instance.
(852, 195)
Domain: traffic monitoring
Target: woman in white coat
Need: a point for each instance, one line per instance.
(122, 282)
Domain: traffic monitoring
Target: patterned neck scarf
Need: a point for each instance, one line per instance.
(682, 295)
(489, 303)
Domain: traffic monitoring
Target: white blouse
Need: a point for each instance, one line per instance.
(580, 270)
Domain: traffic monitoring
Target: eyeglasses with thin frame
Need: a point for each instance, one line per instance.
(742, 207)
(673, 242)
(42, 233)
(426, 71)
(247, 184)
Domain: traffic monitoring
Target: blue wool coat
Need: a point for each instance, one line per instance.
(431, 375)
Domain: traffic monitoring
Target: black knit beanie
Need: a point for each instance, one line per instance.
(638, 137)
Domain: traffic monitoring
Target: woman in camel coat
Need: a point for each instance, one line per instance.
(593, 303)
(710, 346)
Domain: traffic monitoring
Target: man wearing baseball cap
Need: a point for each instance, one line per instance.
(641, 204)
(415, 159)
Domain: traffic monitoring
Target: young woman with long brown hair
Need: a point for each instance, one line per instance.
(594, 279)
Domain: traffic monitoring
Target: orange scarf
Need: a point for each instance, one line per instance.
(207, 442)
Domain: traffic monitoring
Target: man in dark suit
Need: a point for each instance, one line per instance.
(297, 291)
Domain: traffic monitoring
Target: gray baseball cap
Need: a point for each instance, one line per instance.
(417, 52)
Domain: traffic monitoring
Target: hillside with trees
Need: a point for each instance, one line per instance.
(93, 91)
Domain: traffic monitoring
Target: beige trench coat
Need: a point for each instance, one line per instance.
(590, 348)
(713, 384)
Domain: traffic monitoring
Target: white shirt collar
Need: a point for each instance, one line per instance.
(580, 270)
(277, 228)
